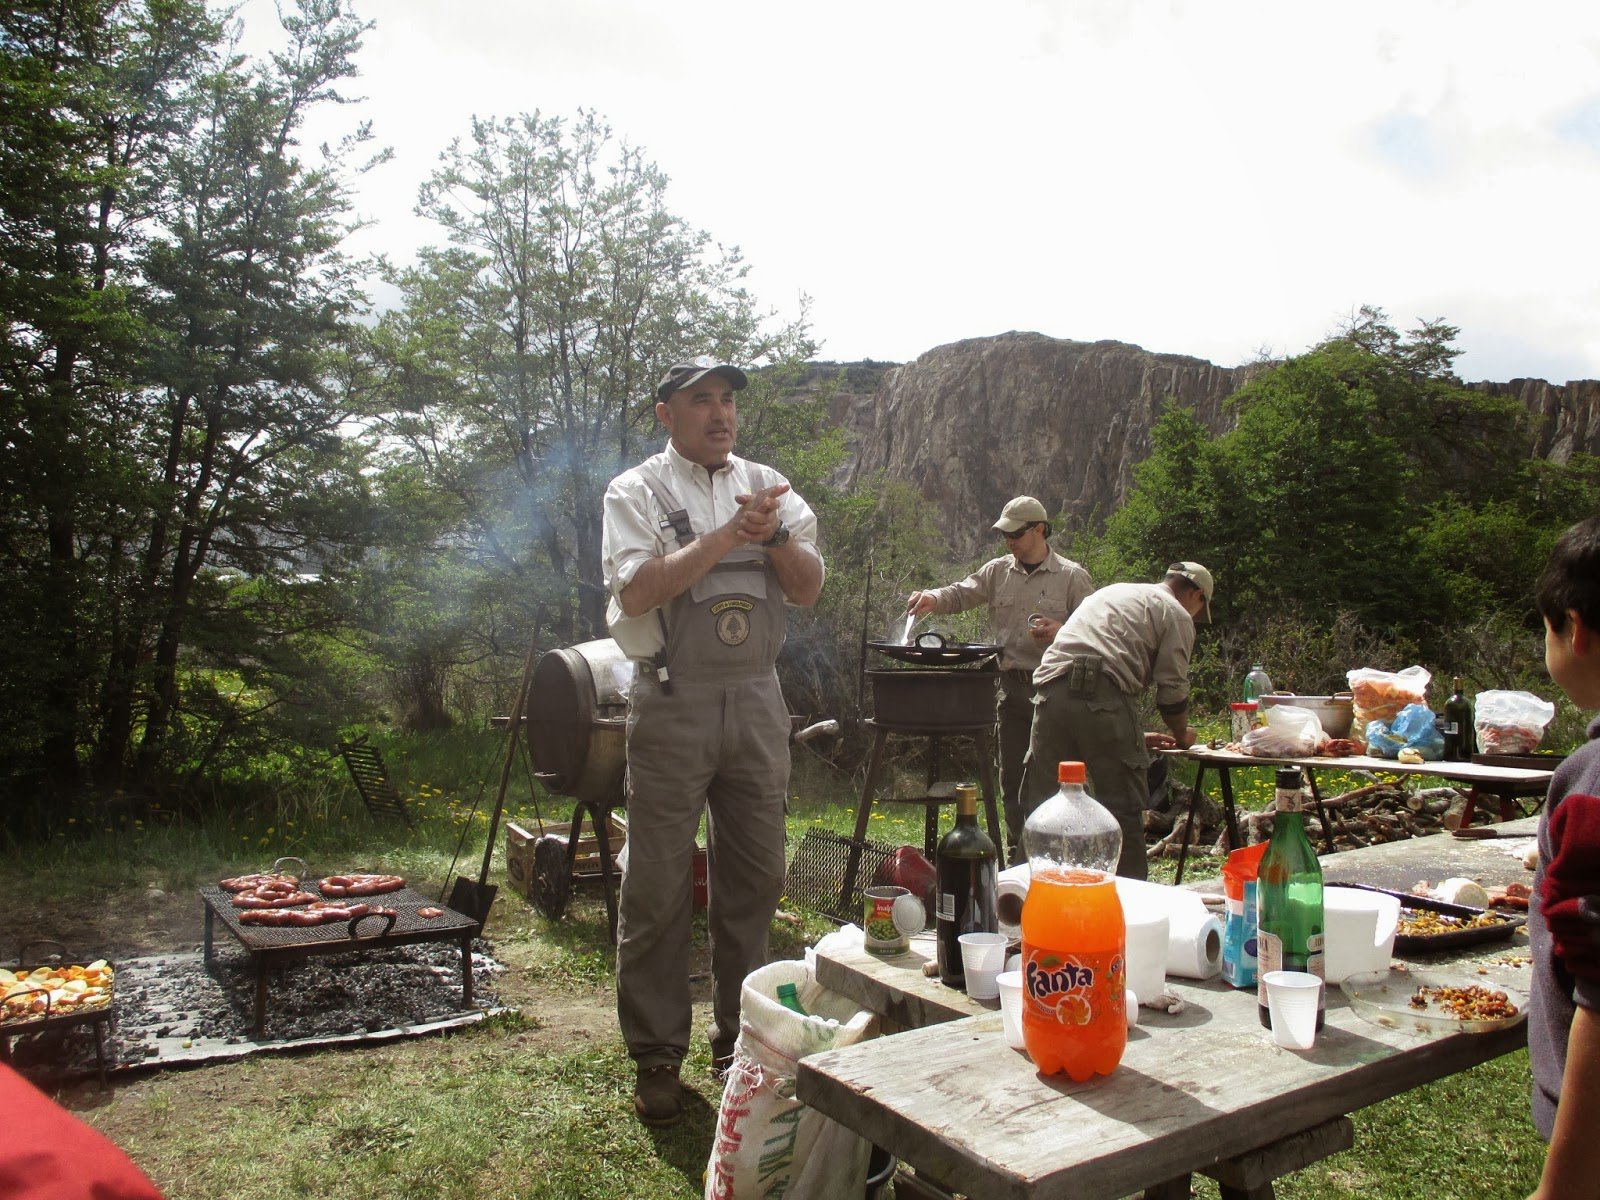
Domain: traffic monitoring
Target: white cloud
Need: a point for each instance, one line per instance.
(1197, 177)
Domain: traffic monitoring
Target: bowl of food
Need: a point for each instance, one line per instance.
(1334, 713)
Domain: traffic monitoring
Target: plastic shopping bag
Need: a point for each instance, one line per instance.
(1413, 728)
(1290, 732)
(768, 1143)
(1380, 695)
(1510, 722)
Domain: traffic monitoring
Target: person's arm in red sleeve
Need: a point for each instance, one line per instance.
(46, 1153)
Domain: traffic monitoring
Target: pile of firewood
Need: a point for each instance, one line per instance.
(1379, 811)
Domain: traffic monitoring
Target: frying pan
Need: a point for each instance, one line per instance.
(931, 650)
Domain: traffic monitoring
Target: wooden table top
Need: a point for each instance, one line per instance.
(1482, 775)
(1194, 1088)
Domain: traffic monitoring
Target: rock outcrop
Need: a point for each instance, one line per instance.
(1566, 416)
(976, 422)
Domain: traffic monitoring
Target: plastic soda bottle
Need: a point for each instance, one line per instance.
(1257, 683)
(1074, 975)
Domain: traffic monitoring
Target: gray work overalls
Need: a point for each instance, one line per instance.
(713, 737)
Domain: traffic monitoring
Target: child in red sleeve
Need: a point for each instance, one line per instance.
(1564, 918)
(46, 1153)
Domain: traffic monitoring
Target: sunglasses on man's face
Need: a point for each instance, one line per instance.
(1015, 534)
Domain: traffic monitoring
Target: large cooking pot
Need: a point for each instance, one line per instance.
(578, 719)
(933, 700)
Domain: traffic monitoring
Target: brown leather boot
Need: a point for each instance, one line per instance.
(658, 1096)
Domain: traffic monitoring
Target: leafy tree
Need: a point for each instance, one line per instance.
(1361, 483)
(519, 368)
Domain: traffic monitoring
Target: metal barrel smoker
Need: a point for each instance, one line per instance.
(577, 740)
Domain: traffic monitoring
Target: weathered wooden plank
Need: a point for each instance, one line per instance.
(1193, 1090)
(895, 988)
(1259, 1168)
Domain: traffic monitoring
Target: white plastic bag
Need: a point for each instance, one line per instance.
(1290, 732)
(1380, 695)
(1510, 722)
(768, 1143)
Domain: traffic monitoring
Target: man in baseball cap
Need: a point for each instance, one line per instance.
(1201, 578)
(1029, 591)
(1122, 641)
(681, 375)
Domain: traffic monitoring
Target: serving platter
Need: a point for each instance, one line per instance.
(1385, 998)
(1504, 925)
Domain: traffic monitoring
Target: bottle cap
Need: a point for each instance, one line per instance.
(1071, 772)
(1289, 779)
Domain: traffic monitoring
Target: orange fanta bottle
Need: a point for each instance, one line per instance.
(1074, 1015)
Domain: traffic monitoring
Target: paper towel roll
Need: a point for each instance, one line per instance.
(1194, 936)
(1011, 892)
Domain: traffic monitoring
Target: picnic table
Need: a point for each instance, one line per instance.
(1505, 783)
(1204, 1090)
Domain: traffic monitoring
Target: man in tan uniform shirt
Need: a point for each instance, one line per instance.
(1030, 592)
(1120, 641)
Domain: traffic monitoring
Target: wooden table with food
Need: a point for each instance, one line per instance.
(1203, 1090)
(1500, 781)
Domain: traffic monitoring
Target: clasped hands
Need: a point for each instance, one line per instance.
(757, 519)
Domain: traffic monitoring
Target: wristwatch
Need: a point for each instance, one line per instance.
(780, 537)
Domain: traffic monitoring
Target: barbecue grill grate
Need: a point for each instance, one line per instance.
(816, 873)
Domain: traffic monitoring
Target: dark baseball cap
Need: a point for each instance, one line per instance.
(681, 375)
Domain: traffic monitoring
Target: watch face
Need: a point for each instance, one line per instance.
(780, 538)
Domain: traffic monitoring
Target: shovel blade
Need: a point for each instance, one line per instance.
(472, 898)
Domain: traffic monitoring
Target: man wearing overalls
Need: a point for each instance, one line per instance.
(701, 550)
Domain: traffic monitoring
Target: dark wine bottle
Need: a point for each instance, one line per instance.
(968, 885)
(1289, 918)
(1458, 712)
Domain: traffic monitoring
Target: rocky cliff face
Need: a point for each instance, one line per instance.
(976, 422)
(1566, 416)
(979, 421)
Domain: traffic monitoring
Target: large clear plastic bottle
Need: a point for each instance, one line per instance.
(1074, 1014)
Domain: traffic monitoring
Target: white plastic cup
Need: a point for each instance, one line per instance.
(1146, 951)
(1292, 1002)
(1010, 985)
(982, 956)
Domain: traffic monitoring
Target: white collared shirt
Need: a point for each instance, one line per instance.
(634, 531)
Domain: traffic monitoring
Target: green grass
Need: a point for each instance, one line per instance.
(520, 1106)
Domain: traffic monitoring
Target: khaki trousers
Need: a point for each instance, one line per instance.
(1097, 724)
(721, 749)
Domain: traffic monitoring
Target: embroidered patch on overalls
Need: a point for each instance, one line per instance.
(732, 621)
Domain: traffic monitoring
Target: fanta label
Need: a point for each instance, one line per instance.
(1075, 989)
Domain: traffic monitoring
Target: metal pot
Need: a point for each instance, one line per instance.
(578, 719)
(1334, 713)
(933, 700)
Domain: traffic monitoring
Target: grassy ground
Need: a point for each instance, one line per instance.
(535, 1104)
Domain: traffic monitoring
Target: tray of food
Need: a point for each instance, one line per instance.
(1434, 1001)
(1428, 924)
(41, 995)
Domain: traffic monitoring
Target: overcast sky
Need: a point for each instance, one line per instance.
(1211, 178)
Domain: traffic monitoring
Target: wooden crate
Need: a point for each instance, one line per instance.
(520, 840)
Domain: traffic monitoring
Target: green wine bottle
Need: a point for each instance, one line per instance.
(1458, 713)
(1289, 920)
(789, 997)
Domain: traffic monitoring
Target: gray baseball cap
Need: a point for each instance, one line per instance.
(1023, 510)
(681, 375)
